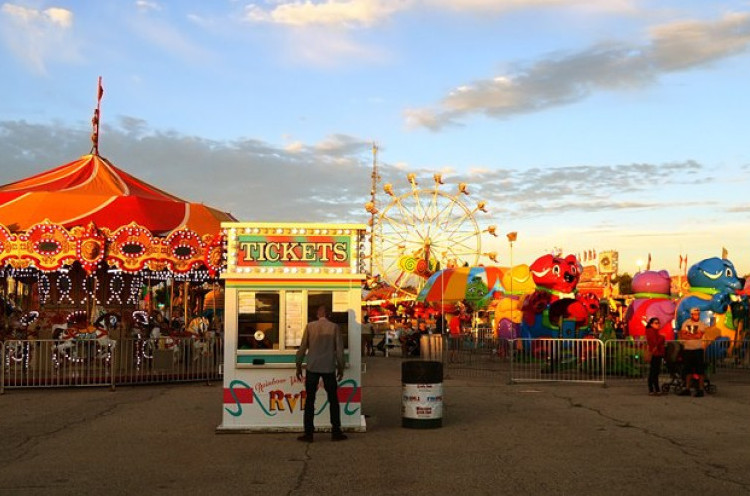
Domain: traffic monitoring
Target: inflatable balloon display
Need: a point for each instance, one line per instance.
(714, 285)
(516, 283)
(554, 300)
(651, 289)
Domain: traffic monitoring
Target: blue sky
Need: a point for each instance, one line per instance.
(614, 124)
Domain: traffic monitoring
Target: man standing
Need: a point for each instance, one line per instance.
(439, 324)
(367, 332)
(691, 335)
(324, 346)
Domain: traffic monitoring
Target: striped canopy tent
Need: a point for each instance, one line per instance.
(92, 189)
(88, 232)
(470, 284)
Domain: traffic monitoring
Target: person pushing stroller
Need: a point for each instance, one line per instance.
(691, 334)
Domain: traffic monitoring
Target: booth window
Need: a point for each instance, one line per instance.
(274, 320)
(315, 299)
(258, 320)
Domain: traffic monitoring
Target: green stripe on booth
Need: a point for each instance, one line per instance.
(268, 358)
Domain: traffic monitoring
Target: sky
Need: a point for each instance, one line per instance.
(584, 125)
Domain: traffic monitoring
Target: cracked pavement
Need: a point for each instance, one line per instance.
(496, 438)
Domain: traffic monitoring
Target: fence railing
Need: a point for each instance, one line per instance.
(478, 354)
(568, 360)
(90, 362)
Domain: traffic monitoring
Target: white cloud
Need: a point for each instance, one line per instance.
(326, 47)
(349, 13)
(322, 27)
(685, 44)
(146, 5)
(366, 13)
(294, 147)
(37, 37)
(619, 6)
(564, 79)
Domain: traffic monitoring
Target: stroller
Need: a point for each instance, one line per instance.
(677, 380)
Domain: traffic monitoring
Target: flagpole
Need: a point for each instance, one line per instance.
(95, 119)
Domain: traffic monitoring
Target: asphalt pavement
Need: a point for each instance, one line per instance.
(496, 438)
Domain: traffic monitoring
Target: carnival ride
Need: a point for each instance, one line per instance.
(86, 244)
(424, 230)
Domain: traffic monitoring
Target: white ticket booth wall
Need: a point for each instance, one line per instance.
(277, 275)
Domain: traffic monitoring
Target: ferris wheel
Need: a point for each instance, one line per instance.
(422, 231)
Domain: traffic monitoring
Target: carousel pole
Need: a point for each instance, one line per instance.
(185, 301)
(171, 296)
(150, 302)
(5, 302)
(15, 292)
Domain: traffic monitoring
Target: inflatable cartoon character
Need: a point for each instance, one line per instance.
(517, 283)
(476, 289)
(554, 300)
(713, 286)
(651, 289)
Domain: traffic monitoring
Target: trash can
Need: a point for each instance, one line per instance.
(422, 394)
(431, 347)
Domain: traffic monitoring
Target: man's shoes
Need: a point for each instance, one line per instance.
(684, 392)
(305, 438)
(699, 394)
(338, 436)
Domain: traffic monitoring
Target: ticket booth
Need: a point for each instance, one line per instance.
(277, 275)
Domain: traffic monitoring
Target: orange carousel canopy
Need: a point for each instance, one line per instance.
(91, 189)
(91, 212)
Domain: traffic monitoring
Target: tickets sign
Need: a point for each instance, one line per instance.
(293, 251)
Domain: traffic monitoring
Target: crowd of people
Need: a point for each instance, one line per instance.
(402, 333)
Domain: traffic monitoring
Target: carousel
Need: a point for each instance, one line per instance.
(92, 254)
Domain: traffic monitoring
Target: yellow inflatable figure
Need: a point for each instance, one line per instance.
(517, 283)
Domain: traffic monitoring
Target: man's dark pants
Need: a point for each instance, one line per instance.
(311, 388)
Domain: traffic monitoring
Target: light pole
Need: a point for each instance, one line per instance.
(512, 236)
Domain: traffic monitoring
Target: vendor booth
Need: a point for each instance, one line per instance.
(277, 275)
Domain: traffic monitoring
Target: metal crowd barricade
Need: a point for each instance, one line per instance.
(169, 360)
(54, 363)
(557, 360)
(626, 359)
(728, 359)
(476, 354)
(51, 363)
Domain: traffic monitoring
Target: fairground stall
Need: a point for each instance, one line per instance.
(277, 275)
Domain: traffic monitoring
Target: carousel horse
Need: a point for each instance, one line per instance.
(18, 345)
(153, 331)
(198, 329)
(157, 332)
(76, 332)
(141, 332)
